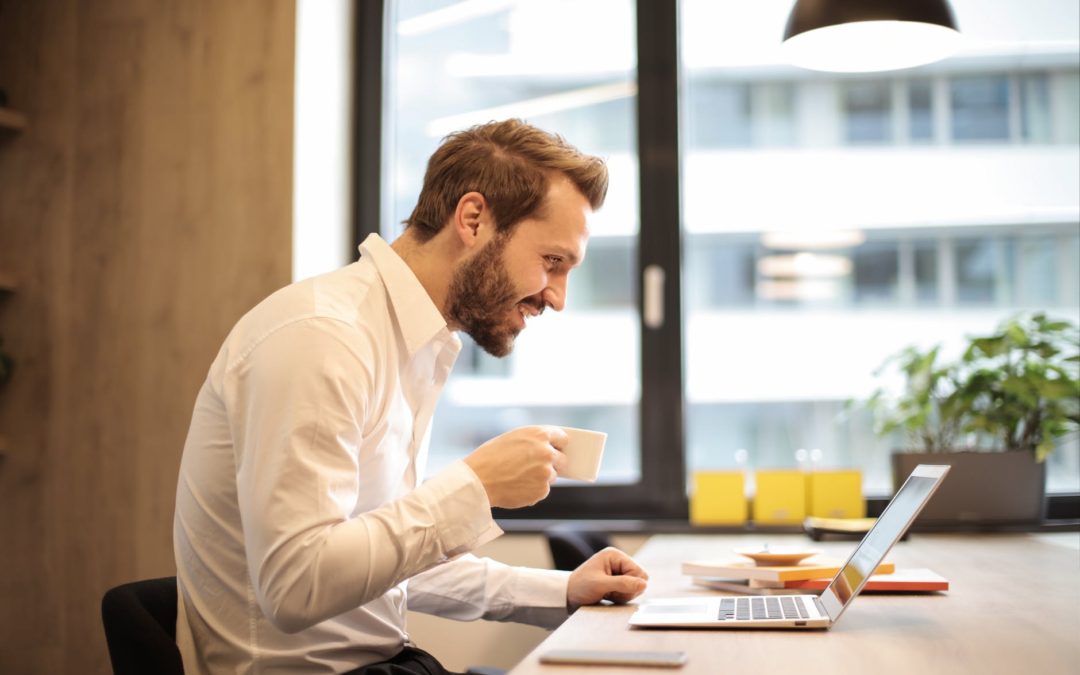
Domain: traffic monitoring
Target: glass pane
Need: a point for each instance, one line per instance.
(926, 272)
(1066, 106)
(720, 272)
(1035, 125)
(721, 116)
(1036, 264)
(721, 433)
(977, 269)
(868, 112)
(920, 111)
(773, 113)
(877, 272)
(980, 108)
(451, 65)
(808, 264)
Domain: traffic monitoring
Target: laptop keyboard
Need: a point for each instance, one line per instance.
(745, 609)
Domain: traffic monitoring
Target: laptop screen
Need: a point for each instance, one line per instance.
(890, 526)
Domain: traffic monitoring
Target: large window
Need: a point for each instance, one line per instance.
(916, 207)
(806, 226)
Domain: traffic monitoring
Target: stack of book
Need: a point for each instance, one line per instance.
(806, 577)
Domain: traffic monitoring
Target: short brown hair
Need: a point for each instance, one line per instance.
(509, 163)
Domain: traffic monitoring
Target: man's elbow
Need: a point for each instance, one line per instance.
(294, 593)
(288, 609)
(290, 620)
(287, 606)
(296, 606)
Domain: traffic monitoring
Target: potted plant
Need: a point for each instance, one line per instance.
(997, 411)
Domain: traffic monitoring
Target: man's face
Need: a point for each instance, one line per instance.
(515, 277)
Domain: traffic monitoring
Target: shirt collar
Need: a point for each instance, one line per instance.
(420, 320)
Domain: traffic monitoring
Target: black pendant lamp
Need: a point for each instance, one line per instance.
(869, 35)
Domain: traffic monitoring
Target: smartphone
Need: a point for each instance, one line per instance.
(614, 658)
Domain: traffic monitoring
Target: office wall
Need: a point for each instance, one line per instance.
(146, 207)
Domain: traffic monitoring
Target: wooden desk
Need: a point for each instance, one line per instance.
(978, 626)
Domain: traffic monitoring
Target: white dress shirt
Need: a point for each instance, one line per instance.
(300, 532)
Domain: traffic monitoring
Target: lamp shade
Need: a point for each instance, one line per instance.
(869, 35)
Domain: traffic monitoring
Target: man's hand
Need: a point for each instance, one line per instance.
(518, 467)
(608, 575)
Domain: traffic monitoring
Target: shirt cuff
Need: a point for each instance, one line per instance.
(540, 596)
(462, 508)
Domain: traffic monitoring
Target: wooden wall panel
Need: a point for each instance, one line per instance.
(145, 209)
(34, 204)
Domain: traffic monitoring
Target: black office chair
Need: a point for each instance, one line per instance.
(140, 627)
(572, 545)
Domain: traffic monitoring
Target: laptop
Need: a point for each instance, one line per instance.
(803, 611)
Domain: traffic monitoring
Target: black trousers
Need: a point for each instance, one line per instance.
(410, 661)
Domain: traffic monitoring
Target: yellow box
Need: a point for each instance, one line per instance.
(835, 494)
(718, 498)
(779, 497)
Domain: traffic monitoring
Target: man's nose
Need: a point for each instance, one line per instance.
(555, 294)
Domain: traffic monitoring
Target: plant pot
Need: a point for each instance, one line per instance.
(981, 487)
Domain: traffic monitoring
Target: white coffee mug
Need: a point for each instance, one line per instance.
(584, 450)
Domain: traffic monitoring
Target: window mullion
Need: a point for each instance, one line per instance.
(662, 419)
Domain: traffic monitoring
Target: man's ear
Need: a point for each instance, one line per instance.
(472, 220)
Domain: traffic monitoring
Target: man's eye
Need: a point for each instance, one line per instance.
(553, 259)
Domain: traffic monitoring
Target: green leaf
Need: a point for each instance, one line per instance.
(1016, 334)
(1046, 350)
(1044, 448)
(1054, 326)
(1055, 389)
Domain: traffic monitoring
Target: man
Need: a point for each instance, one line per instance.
(302, 532)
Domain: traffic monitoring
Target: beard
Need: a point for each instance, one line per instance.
(481, 298)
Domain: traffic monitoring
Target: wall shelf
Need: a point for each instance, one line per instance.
(12, 119)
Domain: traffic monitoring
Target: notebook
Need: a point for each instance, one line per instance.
(803, 611)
